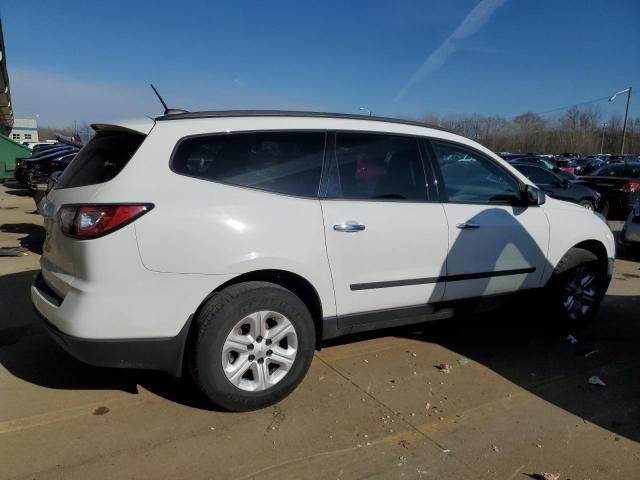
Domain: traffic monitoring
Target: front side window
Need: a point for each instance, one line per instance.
(281, 162)
(470, 177)
(376, 167)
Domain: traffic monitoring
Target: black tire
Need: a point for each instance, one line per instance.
(575, 264)
(587, 204)
(215, 320)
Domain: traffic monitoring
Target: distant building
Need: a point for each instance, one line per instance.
(24, 130)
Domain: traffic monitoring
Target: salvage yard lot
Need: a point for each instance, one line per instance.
(516, 402)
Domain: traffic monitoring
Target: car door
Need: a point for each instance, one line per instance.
(496, 244)
(386, 241)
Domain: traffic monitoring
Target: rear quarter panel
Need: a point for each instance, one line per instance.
(198, 227)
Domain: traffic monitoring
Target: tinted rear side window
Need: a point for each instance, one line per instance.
(281, 162)
(371, 166)
(101, 159)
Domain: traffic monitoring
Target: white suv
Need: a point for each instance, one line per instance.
(232, 243)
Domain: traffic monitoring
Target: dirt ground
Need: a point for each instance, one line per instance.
(516, 403)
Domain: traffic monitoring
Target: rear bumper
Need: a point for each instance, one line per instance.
(164, 354)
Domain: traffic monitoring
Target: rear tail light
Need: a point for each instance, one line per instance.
(93, 221)
(630, 187)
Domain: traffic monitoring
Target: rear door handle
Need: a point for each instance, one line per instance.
(466, 225)
(348, 227)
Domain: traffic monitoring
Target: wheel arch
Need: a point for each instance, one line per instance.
(296, 284)
(594, 246)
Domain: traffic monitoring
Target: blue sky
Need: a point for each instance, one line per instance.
(93, 61)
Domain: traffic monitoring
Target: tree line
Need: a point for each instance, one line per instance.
(578, 130)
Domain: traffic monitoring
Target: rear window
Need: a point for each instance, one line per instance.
(281, 162)
(101, 159)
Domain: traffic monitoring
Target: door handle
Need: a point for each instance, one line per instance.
(466, 225)
(348, 227)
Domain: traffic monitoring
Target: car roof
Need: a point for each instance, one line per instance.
(289, 113)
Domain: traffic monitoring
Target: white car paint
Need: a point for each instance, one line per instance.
(146, 279)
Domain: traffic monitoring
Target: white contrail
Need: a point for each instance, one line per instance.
(472, 23)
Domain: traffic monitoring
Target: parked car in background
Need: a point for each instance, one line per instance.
(566, 165)
(33, 145)
(619, 185)
(293, 227)
(630, 236)
(42, 173)
(45, 146)
(546, 164)
(560, 188)
(27, 169)
(585, 165)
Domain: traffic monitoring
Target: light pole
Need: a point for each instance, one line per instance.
(626, 113)
(369, 112)
(604, 125)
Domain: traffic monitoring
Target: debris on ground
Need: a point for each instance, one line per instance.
(571, 339)
(444, 367)
(595, 380)
(403, 444)
(101, 410)
(402, 460)
(12, 251)
(427, 406)
(550, 476)
(463, 361)
(592, 352)
(495, 448)
(446, 450)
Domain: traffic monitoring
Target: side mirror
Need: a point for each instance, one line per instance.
(533, 195)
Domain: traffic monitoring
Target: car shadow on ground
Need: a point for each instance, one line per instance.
(537, 356)
(34, 235)
(512, 344)
(19, 193)
(29, 353)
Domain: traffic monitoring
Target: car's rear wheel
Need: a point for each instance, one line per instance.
(576, 288)
(252, 345)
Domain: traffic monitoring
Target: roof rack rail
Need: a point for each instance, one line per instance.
(171, 115)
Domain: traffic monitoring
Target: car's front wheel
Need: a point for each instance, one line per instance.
(252, 345)
(576, 288)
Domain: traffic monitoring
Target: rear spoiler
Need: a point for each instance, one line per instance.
(139, 125)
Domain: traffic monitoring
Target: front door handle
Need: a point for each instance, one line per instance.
(466, 225)
(348, 227)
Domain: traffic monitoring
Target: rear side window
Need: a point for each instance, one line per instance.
(101, 159)
(280, 162)
(371, 166)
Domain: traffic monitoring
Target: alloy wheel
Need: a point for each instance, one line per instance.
(580, 293)
(259, 351)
